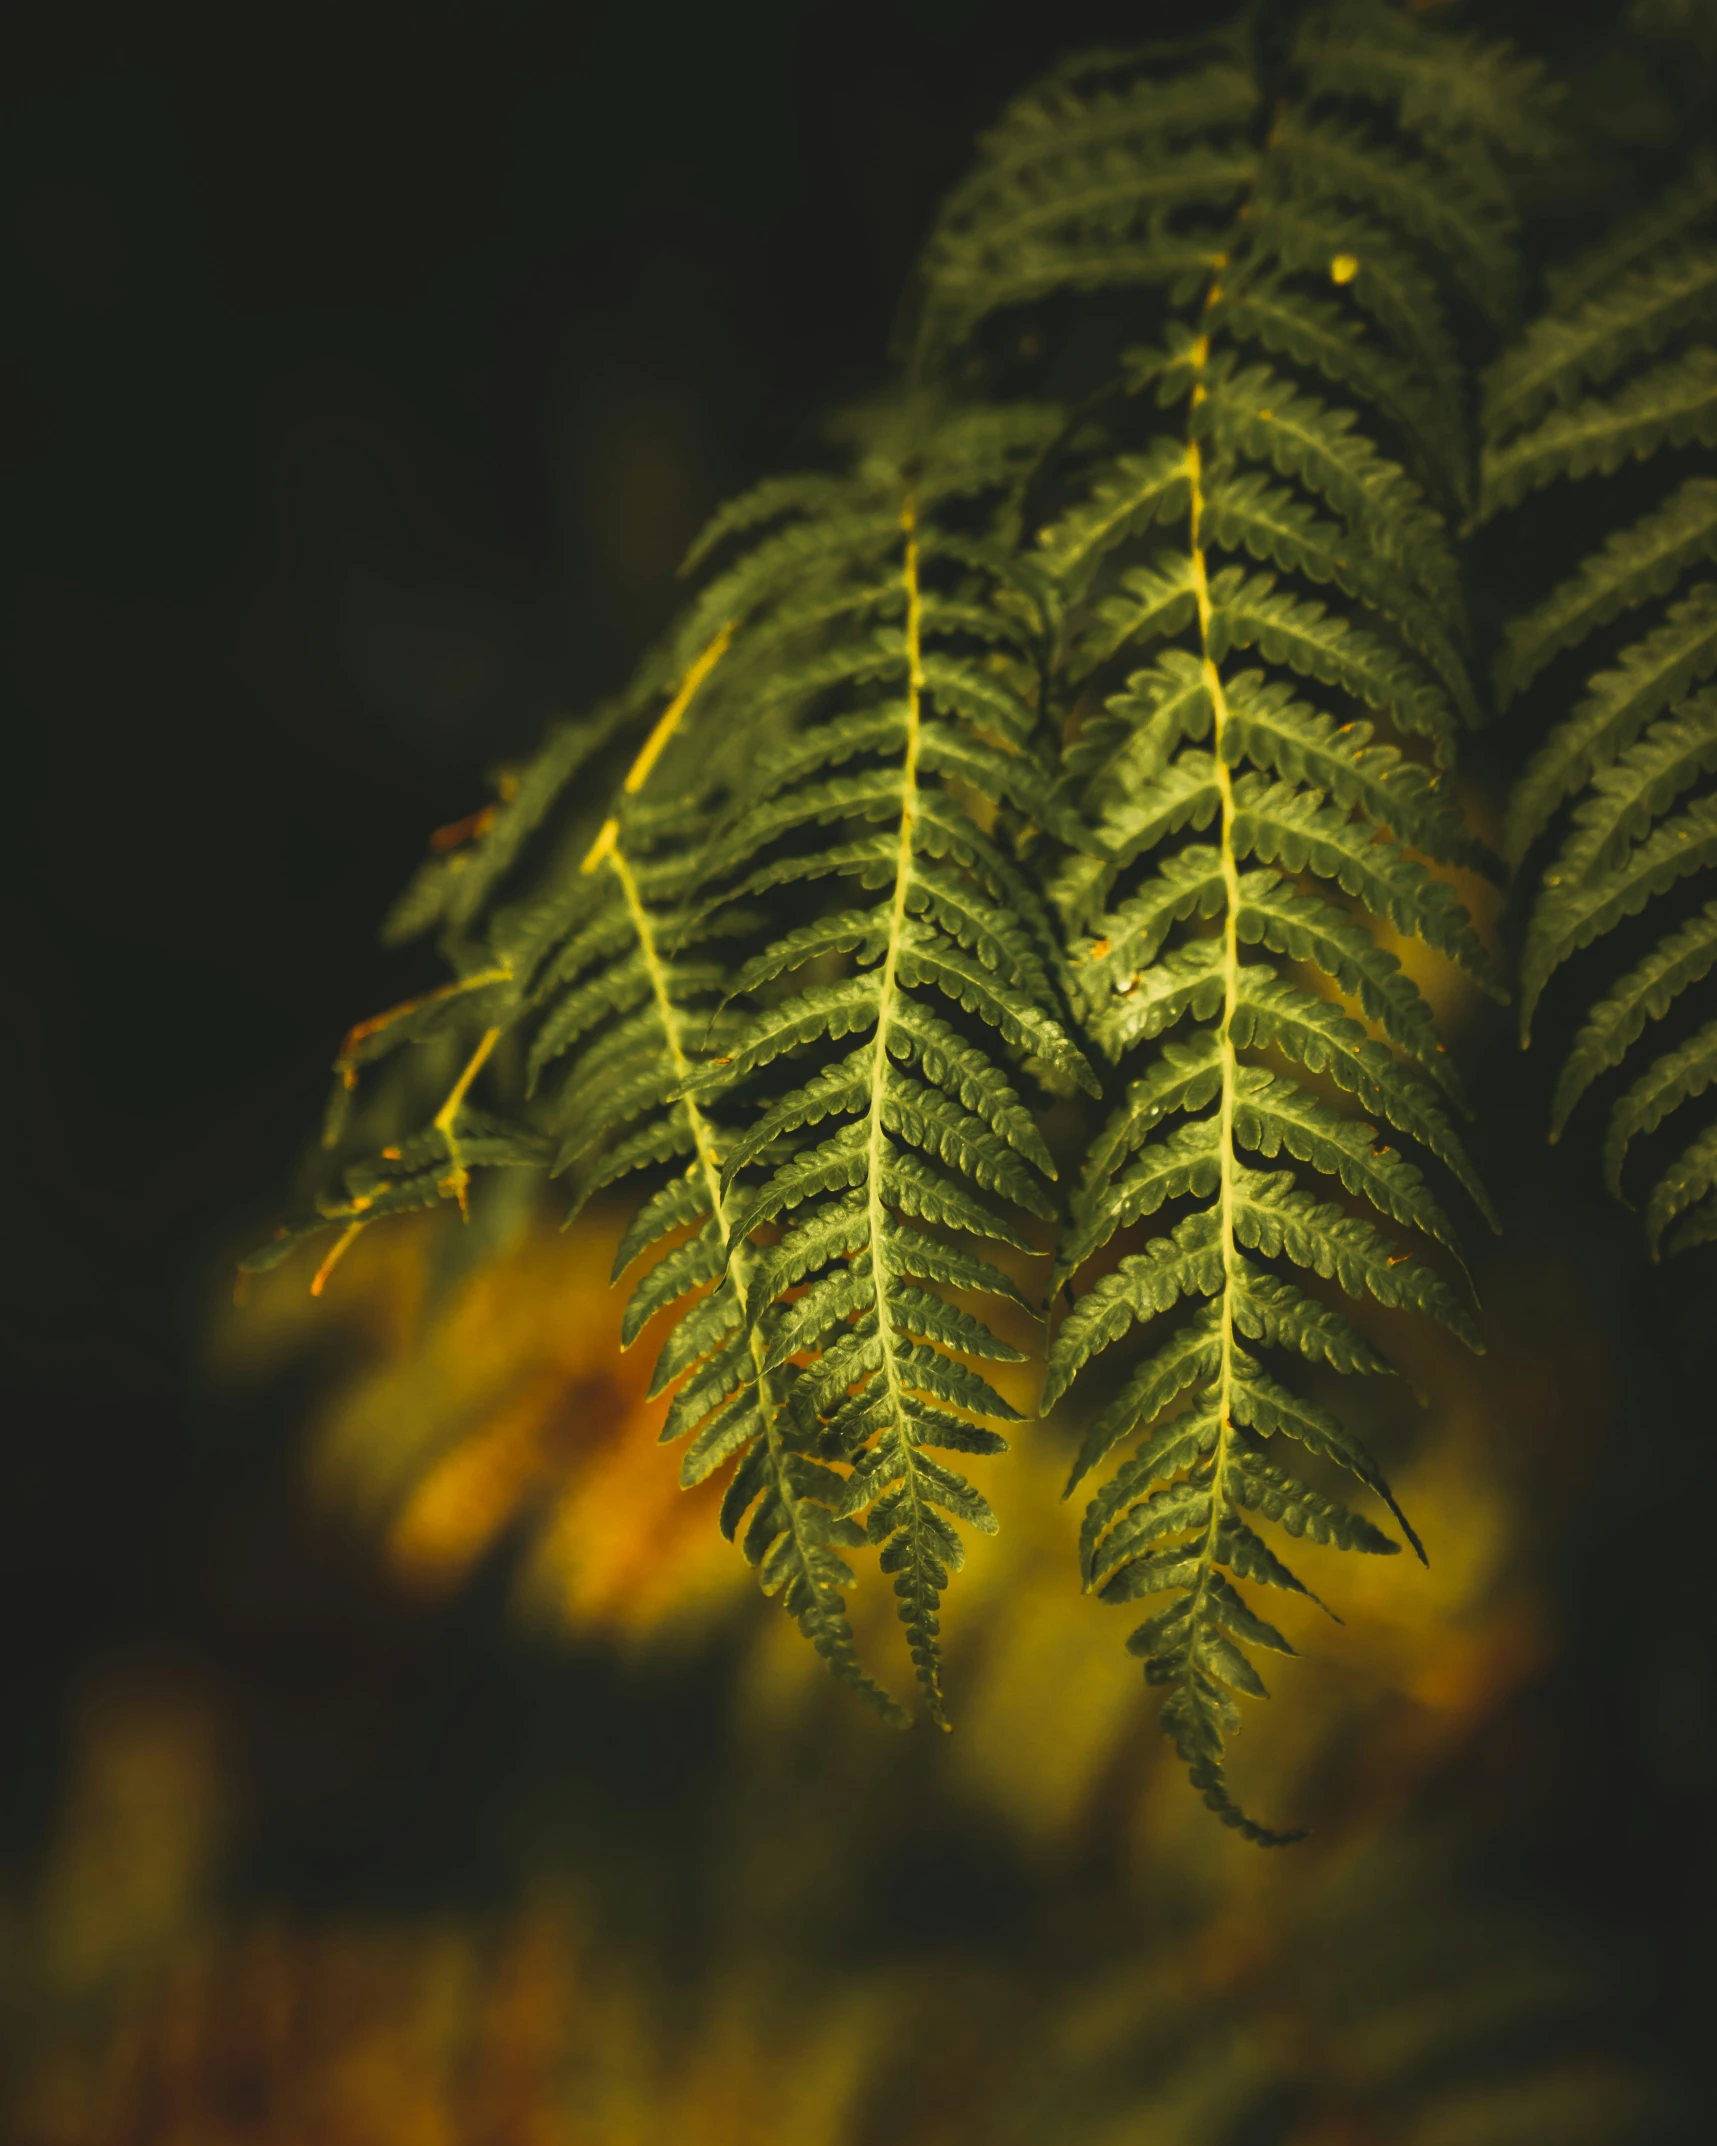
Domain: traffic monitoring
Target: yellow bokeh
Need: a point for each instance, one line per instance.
(475, 1404)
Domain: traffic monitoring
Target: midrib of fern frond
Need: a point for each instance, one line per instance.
(876, 1139)
(1227, 1055)
(608, 852)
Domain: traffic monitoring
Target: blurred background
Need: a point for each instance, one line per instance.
(369, 370)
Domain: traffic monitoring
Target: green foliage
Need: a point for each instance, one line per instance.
(833, 1099)
(1030, 739)
(886, 1112)
(1619, 368)
(1254, 572)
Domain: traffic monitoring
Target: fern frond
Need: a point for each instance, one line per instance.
(1466, 224)
(1252, 411)
(594, 972)
(1135, 492)
(1571, 914)
(1635, 315)
(1317, 335)
(1387, 288)
(1271, 428)
(1673, 405)
(1075, 188)
(1635, 564)
(1275, 729)
(1645, 994)
(1687, 1181)
(1652, 674)
(943, 964)
(1456, 91)
(1249, 611)
(1268, 521)
(1675, 1078)
(771, 501)
(1563, 353)
(1641, 784)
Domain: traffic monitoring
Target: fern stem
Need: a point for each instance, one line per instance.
(346, 1063)
(1230, 1004)
(608, 834)
(921, 1632)
(342, 1245)
(458, 1178)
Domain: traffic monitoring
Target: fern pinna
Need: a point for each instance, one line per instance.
(1250, 581)
(1616, 380)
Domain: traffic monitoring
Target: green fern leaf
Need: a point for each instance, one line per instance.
(1676, 1078)
(1272, 1216)
(953, 755)
(1247, 512)
(1687, 1181)
(1191, 1355)
(1272, 1115)
(775, 497)
(1640, 738)
(1287, 827)
(1308, 929)
(1632, 566)
(1387, 284)
(1186, 793)
(1283, 1316)
(1648, 677)
(1323, 1039)
(1563, 353)
(1646, 993)
(1572, 914)
(1250, 611)
(1135, 492)
(1301, 1511)
(1673, 405)
(1320, 337)
(1216, 786)
(1465, 224)
(1161, 706)
(946, 917)
(1453, 90)
(1699, 1227)
(1253, 410)
(1626, 797)
(1269, 1408)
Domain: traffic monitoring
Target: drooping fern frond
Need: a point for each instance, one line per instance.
(634, 1081)
(1261, 653)
(886, 1119)
(1138, 719)
(847, 797)
(1617, 380)
(610, 978)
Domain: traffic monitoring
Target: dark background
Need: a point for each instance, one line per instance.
(369, 369)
